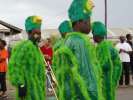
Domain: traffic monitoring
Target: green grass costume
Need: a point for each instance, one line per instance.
(76, 66)
(109, 60)
(79, 75)
(26, 65)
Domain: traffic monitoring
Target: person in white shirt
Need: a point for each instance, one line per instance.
(124, 50)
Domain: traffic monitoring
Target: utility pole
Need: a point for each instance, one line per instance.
(105, 3)
(106, 13)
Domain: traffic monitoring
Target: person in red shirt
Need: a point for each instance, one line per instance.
(47, 51)
(3, 67)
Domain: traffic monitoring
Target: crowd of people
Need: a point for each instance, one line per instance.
(79, 69)
(125, 48)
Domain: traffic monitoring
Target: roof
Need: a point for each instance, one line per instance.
(12, 28)
(117, 32)
(4, 29)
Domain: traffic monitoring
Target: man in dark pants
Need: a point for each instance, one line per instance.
(124, 50)
(2, 83)
(129, 41)
(126, 68)
(3, 68)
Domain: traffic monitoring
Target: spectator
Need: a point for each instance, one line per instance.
(3, 68)
(47, 51)
(129, 41)
(124, 50)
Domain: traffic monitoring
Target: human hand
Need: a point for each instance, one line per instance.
(22, 91)
(47, 57)
(122, 50)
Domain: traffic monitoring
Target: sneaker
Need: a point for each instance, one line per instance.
(4, 95)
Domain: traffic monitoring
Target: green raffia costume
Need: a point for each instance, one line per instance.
(109, 60)
(58, 44)
(64, 28)
(77, 73)
(26, 67)
(67, 77)
(75, 64)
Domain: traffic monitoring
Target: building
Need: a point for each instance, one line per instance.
(8, 29)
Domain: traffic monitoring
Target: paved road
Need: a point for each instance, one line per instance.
(124, 93)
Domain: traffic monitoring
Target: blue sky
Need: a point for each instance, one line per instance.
(54, 11)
